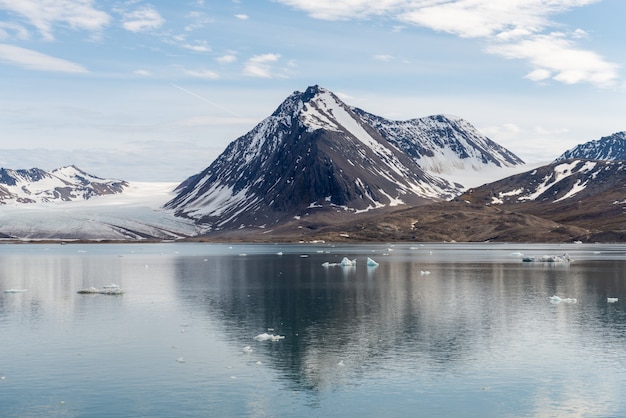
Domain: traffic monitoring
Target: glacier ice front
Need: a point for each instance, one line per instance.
(110, 289)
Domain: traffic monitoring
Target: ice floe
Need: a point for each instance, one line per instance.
(565, 258)
(247, 349)
(346, 262)
(15, 291)
(557, 299)
(371, 263)
(110, 289)
(612, 300)
(269, 337)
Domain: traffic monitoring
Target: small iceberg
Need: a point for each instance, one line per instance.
(424, 272)
(371, 263)
(565, 258)
(269, 337)
(346, 262)
(247, 349)
(15, 291)
(612, 300)
(110, 289)
(556, 300)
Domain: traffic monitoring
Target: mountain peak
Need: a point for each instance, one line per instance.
(315, 155)
(612, 147)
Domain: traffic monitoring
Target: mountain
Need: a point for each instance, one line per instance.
(63, 184)
(317, 156)
(611, 147)
(583, 193)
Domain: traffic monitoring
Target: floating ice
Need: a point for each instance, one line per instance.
(110, 289)
(15, 291)
(181, 360)
(269, 337)
(371, 263)
(612, 300)
(565, 258)
(340, 364)
(517, 254)
(424, 272)
(279, 253)
(556, 300)
(346, 262)
(258, 363)
(247, 349)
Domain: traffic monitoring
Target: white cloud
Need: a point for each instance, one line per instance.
(142, 20)
(242, 17)
(259, 65)
(198, 46)
(33, 60)
(226, 59)
(513, 28)
(384, 57)
(208, 74)
(539, 75)
(44, 14)
(556, 54)
(143, 73)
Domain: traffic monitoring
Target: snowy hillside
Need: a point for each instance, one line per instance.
(63, 184)
(134, 214)
(611, 147)
(557, 182)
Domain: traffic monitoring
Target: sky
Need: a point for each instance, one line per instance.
(155, 90)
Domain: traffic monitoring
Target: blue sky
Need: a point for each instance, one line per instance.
(155, 90)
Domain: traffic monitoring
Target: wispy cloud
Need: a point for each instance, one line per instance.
(242, 17)
(9, 30)
(33, 60)
(512, 29)
(260, 65)
(227, 59)
(142, 20)
(384, 57)
(45, 14)
(198, 46)
(207, 74)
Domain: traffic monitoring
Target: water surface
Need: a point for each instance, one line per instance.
(433, 330)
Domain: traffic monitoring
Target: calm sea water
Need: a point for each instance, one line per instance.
(435, 330)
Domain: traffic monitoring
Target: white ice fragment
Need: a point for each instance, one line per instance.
(340, 364)
(247, 349)
(556, 300)
(15, 291)
(181, 360)
(371, 263)
(279, 253)
(346, 262)
(269, 337)
(258, 363)
(612, 300)
(424, 272)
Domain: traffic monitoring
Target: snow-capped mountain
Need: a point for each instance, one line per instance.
(315, 153)
(442, 144)
(612, 147)
(63, 184)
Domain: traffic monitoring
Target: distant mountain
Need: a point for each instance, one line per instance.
(611, 147)
(581, 193)
(63, 184)
(315, 154)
